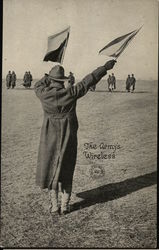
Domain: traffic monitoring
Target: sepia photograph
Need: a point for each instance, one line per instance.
(79, 124)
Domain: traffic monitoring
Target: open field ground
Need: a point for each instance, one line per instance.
(113, 200)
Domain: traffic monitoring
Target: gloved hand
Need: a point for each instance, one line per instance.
(110, 64)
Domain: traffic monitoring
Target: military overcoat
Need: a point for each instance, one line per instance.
(58, 140)
(128, 83)
(8, 80)
(13, 79)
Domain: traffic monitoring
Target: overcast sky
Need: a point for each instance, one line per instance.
(94, 23)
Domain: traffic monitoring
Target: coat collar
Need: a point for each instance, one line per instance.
(57, 85)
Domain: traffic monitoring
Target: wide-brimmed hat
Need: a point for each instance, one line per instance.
(57, 73)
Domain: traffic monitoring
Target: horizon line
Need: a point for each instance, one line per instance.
(137, 79)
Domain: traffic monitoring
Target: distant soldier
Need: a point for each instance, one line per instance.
(8, 79)
(113, 79)
(26, 79)
(132, 82)
(128, 83)
(109, 80)
(13, 80)
(30, 78)
(71, 79)
(93, 88)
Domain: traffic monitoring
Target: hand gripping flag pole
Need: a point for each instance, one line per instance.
(118, 45)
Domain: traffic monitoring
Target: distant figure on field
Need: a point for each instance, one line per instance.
(30, 78)
(13, 80)
(8, 79)
(71, 79)
(27, 79)
(128, 83)
(93, 88)
(109, 83)
(113, 79)
(132, 83)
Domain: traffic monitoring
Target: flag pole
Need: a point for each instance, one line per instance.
(117, 57)
(65, 46)
(63, 52)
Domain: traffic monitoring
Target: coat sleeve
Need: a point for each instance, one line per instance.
(66, 96)
(81, 88)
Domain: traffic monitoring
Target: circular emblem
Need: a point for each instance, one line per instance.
(97, 171)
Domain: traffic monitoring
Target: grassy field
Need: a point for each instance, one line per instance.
(113, 200)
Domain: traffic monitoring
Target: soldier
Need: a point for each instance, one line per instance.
(25, 79)
(58, 141)
(8, 79)
(30, 78)
(128, 83)
(113, 81)
(109, 83)
(13, 79)
(132, 83)
(93, 88)
(71, 79)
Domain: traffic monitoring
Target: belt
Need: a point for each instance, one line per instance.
(59, 115)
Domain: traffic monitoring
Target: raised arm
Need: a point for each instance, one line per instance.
(81, 88)
(66, 96)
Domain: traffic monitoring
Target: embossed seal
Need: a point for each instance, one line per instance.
(97, 171)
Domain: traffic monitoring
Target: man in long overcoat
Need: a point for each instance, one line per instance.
(113, 79)
(13, 79)
(93, 88)
(128, 83)
(27, 79)
(132, 82)
(71, 79)
(30, 78)
(109, 83)
(8, 79)
(58, 141)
